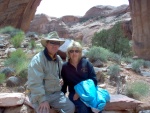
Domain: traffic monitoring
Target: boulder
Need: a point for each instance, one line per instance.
(121, 102)
(19, 103)
(17, 13)
(11, 99)
(19, 109)
(140, 21)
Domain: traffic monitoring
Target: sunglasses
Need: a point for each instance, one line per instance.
(72, 51)
(54, 43)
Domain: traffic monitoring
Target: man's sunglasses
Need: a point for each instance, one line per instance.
(76, 51)
(54, 43)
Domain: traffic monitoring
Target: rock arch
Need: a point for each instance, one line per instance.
(17, 13)
(140, 13)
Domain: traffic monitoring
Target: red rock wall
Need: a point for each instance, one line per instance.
(17, 13)
(140, 12)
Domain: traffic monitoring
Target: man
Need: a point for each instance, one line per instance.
(44, 82)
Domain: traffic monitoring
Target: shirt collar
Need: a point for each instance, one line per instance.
(49, 56)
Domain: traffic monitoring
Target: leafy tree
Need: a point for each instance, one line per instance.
(113, 40)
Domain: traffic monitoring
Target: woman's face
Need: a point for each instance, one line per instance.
(74, 54)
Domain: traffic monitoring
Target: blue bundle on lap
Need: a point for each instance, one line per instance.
(92, 96)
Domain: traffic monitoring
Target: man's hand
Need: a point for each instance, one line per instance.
(44, 107)
(76, 96)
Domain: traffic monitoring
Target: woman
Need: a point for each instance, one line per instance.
(74, 71)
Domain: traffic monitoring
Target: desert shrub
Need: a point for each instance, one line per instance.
(98, 53)
(116, 58)
(99, 39)
(137, 89)
(17, 60)
(136, 65)
(32, 44)
(113, 40)
(17, 39)
(114, 70)
(9, 30)
(146, 64)
(2, 78)
(127, 59)
(18, 53)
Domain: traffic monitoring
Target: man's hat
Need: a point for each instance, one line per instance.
(52, 36)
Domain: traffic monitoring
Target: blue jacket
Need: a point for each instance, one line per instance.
(73, 76)
(92, 96)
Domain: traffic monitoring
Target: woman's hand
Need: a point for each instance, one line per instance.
(61, 82)
(76, 96)
(44, 107)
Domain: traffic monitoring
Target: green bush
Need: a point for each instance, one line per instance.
(116, 58)
(2, 78)
(114, 70)
(136, 65)
(113, 40)
(17, 60)
(137, 89)
(127, 59)
(9, 30)
(32, 44)
(98, 53)
(146, 64)
(17, 39)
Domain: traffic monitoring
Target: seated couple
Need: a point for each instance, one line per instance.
(49, 77)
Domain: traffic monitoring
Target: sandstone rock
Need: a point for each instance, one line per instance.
(18, 103)
(11, 99)
(121, 102)
(45, 24)
(127, 29)
(8, 71)
(13, 81)
(98, 63)
(70, 19)
(17, 13)
(19, 109)
(98, 11)
(122, 111)
(105, 11)
(8, 51)
(100, 77)
(2, 45)
(140, 20)
(144, 107)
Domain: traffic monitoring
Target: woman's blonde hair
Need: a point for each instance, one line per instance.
(75, 44)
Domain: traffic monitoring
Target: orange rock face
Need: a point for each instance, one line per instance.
(69, 20)
(140, 12)
(17, 13)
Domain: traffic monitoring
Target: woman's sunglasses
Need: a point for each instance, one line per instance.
(72, 51)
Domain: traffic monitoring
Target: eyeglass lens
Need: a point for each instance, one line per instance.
(76, 51)
(54, 43)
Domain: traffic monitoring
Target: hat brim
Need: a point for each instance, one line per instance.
(44, 41)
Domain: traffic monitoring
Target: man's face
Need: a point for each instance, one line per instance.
(52, 47)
